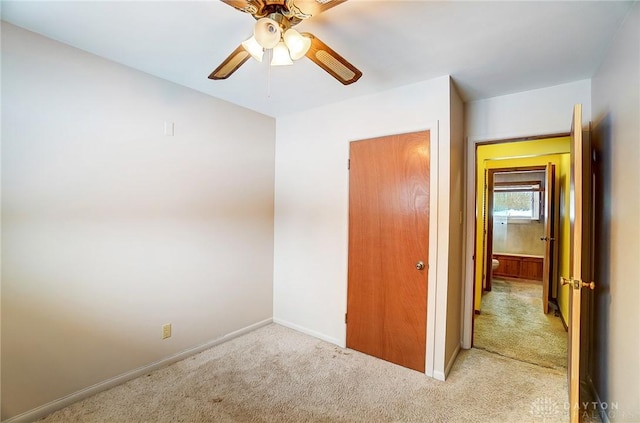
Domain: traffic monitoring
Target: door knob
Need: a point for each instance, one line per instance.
(420, 265)
(577, 283)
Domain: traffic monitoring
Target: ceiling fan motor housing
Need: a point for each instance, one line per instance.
(286, 8)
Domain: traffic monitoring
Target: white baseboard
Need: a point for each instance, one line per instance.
(309, 332)
(46, 409)
(438, 375)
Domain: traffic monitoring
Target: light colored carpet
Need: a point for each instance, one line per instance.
(275, 374)
(512, 324)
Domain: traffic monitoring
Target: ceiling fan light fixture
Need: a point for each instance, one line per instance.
(272, 31)
(281, 55)
(297, 44)
(253, 48)
(267, 32)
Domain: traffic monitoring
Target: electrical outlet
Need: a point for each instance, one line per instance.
(166, 331)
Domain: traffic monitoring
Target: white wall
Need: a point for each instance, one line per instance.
(455, 286)
(538, 112)
(544, 111)
(616, 134)
(311, 212)
(111, 229)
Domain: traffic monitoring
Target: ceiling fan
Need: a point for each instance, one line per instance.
(274, 31)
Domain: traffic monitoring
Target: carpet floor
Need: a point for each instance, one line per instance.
(512, 324)
(275, 374)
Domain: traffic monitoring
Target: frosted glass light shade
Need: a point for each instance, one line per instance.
(253, 48)
(267, 32)
(298, 45)
(281, 55)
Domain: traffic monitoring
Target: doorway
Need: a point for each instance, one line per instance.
(521, 228)
(514, 319)
(575, 298)
(525, 155)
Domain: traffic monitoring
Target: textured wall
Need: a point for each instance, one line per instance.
(518, 238)
(111, 229)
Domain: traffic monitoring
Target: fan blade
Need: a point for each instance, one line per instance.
(313, 7)
(231, 64)
(336, 65)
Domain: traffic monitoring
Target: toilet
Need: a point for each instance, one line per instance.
(494, 264)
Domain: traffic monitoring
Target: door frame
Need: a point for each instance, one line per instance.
(438, 253)
(471, 222)
(490, 193)
(436, 310)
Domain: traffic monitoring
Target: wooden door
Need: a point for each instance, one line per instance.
(580, 286)
(388, 248)
(549, 235)
(487, 271)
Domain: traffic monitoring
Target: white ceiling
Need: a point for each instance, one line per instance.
(489, 48)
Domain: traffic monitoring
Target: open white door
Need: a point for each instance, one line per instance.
(578, 280)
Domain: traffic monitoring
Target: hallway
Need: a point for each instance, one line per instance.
(513, 325)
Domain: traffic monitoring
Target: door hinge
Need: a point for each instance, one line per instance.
(348, 164)
(345, 318)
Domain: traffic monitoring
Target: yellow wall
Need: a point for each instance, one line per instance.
(521, 154)
(564, 234)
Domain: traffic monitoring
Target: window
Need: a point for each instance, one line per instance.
(517, 201)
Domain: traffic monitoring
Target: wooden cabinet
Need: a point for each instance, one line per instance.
(509, 266)
(517, 266)
(531, 268)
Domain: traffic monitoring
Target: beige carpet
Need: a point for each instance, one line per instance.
(275, 374)
(512, 324)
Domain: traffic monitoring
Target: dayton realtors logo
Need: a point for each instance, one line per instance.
(548, 410)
